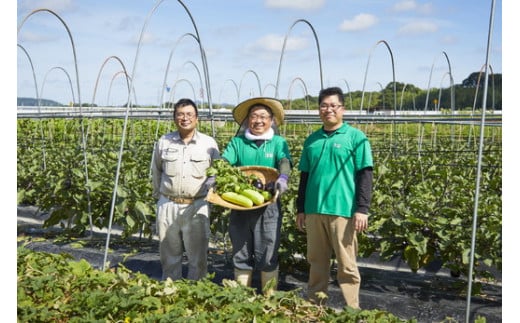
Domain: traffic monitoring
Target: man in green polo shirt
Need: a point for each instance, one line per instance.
(333, 197)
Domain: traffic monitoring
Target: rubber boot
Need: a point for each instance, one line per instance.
(244, 277)
(269, 282)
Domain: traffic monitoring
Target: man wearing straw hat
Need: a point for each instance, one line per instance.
(180, 184)
(255, 234)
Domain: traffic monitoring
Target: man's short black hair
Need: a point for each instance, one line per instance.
(184, 102)
(331, 91)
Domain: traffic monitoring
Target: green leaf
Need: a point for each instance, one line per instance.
(80, 268)
(142, 209)
(130, 221)
(398, 184)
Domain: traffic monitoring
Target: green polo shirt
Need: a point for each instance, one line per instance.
(244, 152)
(332, 162)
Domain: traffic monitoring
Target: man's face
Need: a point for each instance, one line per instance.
(331, 110)
(259, 120)
(185, 118)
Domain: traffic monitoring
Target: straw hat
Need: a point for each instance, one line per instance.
(242, 109)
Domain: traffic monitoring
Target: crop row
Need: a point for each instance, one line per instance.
(422, 208)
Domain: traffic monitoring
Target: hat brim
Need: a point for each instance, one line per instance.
(241, 111)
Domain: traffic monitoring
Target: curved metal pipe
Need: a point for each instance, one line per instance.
(200, 81)
(269, 85)
(349, 94)
(34, 76)
(479, 166)
(132, 79)
(83, 134)
(236, 91)
(127, 77)
(71, 41)
(44, 156)
(175, 85)
(123, 137)
(478, 85)
(257, 81)
(169, 62)
(366, 73)
(283, 50)
(99, 75)
(306, 92)
(66, 74)
(451, 83)
(440, 91)
(204, 65)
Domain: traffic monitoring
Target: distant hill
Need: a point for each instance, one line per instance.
(32, 102)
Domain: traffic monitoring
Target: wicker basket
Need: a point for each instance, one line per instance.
(264, 174)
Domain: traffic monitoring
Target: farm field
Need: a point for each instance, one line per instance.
(421, 215)
(426, 296)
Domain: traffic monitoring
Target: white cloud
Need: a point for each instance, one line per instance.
(405, 5)
(418, 27)
(412, 5)
(426, 8)
(295, 4)
(359, 22)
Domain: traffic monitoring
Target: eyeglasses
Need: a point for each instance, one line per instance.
(333, 107)
(255, 117)
(189, 115)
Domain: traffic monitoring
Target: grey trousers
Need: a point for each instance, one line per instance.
(183, 227)
(255, 236)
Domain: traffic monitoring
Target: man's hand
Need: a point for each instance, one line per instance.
(281, 183)
(300, 221)
(360, 221)
(209, 183)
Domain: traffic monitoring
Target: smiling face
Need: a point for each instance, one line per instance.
(260, 119)
(331, 112)
(185, 118)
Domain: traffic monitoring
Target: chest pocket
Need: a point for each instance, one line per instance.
(199, 163)
(171, 160)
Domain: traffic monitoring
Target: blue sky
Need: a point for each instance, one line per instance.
(242, 42)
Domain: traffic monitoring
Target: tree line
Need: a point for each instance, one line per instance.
(404, 97)
(467, 96)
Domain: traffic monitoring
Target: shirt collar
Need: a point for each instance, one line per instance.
(177, 136)
(342, 129)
